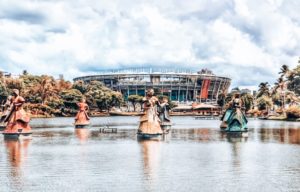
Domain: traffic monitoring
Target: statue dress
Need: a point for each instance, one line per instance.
(82, 117)
(18, 119)
(149, 121)
(236, 121)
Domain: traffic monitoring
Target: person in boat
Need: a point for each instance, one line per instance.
(164, 114)
(17, 119)
(82, 117)
(236, 121)
(149, 121)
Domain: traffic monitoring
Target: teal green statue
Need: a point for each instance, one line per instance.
(234, 119)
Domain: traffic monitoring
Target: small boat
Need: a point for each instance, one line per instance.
(146, 136)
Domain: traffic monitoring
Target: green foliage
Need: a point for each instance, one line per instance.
(81, 86)
(71, 97)
(135, 99)
(99, 96)
(264, 103)
(263, 89)
(248, 101)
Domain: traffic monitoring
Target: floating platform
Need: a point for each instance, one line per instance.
(108, 129)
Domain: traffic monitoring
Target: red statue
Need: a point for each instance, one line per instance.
(17, 119)
(82, 117)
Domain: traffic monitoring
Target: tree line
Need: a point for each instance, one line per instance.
(45, 95)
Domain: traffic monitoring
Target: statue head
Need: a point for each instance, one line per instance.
(15, 92)
(150, 92)
(237, 95)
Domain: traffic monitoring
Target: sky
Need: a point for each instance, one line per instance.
(246, 40)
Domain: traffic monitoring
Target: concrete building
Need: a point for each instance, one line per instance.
(178, 84)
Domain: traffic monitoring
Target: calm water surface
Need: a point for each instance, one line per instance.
(195, 156)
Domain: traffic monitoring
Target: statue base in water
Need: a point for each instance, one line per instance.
(2, 127)
(16, 136)
(146, 136)
(82, 126)
(165, 128)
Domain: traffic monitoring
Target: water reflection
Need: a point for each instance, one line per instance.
(289, 135)
(82, 135)
(17, 151)
(151, 153)
(17, 155)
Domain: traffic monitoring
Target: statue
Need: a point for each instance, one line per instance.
(82, 119)
(234, 117)
(164, 115)
(6, 110)
(149, 122)
(17, 119)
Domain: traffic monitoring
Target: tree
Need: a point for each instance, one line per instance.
(81, 86)
(102, 97)
(284, 71)
(135, 99)
(263, 90)
(247, 100)
(264, 103)
(71, 97)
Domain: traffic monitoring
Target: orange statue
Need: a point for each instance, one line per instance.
(82, 117)
(149, 121)
(17, 119)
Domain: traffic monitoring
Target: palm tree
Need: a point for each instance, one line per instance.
(263, 89)
(285, 71)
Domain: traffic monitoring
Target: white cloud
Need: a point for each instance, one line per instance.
(246, 40)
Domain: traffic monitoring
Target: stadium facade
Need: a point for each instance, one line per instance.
(178, 84)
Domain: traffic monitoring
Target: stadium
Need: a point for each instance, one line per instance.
(178, 84)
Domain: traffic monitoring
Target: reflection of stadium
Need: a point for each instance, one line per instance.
(178, 84)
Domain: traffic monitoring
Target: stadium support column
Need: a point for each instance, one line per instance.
(187, 89)
(220, 84)
(213, 90)
(178, 95)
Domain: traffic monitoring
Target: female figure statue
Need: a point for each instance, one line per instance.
(164, 115)
(236, 121)
(149, 121)
(17, 119)
(82, 118)
(6, 111)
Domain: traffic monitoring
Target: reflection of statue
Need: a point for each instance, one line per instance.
(234, 117)
(82, 117)
(82, 134)
(17, 119)
(151, 160)
(17, 152)
(164, 116)
(149, 121)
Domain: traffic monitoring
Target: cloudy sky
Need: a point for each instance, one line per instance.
(247, 40)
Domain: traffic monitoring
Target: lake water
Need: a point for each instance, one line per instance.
(195, 156)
